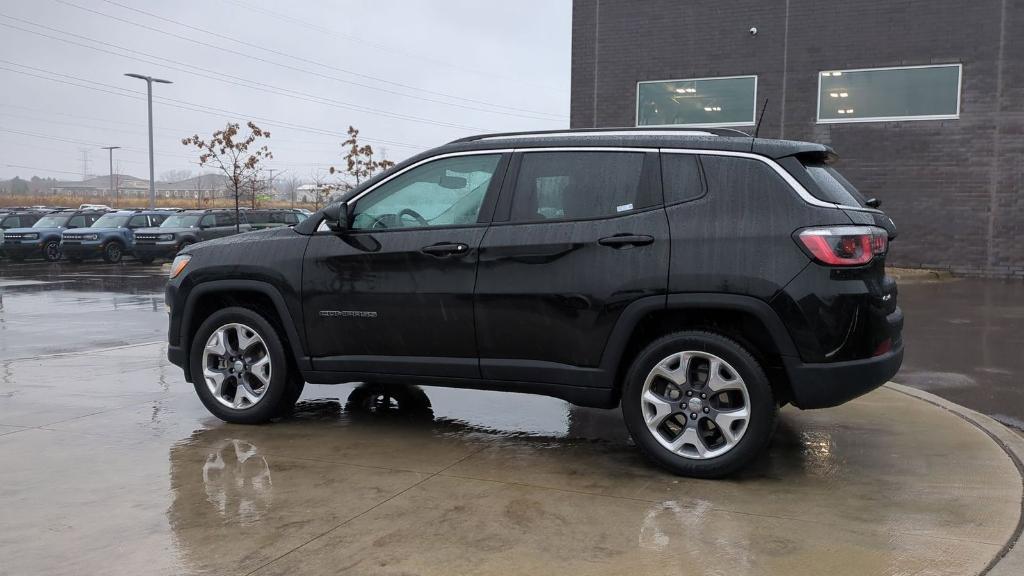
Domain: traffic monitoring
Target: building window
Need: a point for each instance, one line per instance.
(888, 94)
(697, 102)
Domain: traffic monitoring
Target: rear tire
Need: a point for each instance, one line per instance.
(222, 362)
(698, 404)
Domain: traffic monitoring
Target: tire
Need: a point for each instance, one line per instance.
(185, 244)
(113, 252)
(741, 380)
(275, 396)
(51, 251)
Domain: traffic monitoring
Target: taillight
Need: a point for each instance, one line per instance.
(845, 245)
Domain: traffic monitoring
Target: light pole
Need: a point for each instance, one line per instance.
(113, 185)
(149, 97)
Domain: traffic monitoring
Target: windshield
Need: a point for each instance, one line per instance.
(52, 221)
(111, 221)
(181, 221)
(832, 186)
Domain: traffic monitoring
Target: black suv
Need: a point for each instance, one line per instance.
(699, 278)
(185, 228)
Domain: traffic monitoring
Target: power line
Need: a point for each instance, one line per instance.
(220, 77)
(180, 104)
(419, 90)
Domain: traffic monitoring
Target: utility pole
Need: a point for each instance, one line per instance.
(85, 164)
(272, 170)
(149, 98)
(113, 185)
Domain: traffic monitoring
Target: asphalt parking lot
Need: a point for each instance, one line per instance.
(112, 465)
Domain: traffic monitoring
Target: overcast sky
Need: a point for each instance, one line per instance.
(409, 75)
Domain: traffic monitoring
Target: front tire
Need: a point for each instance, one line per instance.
(51, 251)
(698, 404)
(239, 367)
(112, 253)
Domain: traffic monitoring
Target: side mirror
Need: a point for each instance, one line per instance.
(336, 217)
(872, 202)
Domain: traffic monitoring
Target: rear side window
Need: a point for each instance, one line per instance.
(830, 186)
(743, 176)
(573, 185)
(225, 219)
(680, 178)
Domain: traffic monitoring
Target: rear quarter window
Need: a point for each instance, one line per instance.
(830, 186)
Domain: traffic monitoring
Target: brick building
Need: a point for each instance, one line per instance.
(923, 101)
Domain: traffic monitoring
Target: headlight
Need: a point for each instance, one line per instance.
(91, 237)
(179, 264)
(165, 237)
(32, 236)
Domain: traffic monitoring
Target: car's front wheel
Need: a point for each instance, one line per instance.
(113, 252)
(699, 404)
(239, 367)
(51, 251)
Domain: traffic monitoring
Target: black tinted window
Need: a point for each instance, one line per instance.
(680, 177)
(830, 185)
(78, 222)
(742, 175)
(568, 185)
(207, 220)
(225, 219)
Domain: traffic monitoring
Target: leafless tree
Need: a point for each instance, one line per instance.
(359, 161)
(323, 187)
(237, 156)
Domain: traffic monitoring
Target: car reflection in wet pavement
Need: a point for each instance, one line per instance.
(113, 465)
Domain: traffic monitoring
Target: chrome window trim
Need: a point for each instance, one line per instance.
(954, 116)
(356, 198)
(793, 182)
(753, 111)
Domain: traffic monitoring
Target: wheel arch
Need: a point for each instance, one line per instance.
(262, 297)
(748, 320)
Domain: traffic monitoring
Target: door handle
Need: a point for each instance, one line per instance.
(446, 249)
(626, 240)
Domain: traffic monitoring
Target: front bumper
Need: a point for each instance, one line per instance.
(822, 385)
(157, 250)
(30, 249)
(81, 250)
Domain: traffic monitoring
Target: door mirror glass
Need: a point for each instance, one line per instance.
(336, 217)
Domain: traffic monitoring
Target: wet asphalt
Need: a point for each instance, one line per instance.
(112, 465)
(964, 337)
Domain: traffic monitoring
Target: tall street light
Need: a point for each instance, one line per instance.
(149, 92)
(113, 186)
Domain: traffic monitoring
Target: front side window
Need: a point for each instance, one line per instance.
(572, 185)
(138, 221)
(727, 101)
(77, 222)
(110, 221)
(445, 192)
(910, 93)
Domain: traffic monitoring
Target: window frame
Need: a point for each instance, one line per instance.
(959, 95)
(753, 111)
(486, 208)
(650, 174)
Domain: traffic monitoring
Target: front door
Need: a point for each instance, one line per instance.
(394, 293)
(584, 235)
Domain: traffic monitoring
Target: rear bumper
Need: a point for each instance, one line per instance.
(822, 385)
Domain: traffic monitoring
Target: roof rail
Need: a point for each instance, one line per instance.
(725, 132)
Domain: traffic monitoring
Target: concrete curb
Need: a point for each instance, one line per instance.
(1010, 560)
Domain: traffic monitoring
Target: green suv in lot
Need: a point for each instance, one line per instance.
(110, 237)
(186, 228)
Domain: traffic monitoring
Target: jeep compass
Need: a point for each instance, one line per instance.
(699, 279)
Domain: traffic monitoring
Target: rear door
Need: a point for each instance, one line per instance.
(583, 235)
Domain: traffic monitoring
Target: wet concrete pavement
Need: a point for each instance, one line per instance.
(112, 465)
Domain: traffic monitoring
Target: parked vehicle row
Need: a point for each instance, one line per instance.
(98, 233)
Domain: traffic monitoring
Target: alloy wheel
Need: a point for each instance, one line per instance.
(695, 404)
(236, 366)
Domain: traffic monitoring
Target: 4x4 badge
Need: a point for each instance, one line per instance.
(347, 314)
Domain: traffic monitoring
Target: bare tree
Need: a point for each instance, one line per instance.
(322, 189)
(289, 186)
(236, 156)
(359, 161)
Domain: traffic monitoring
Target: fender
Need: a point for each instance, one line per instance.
(229, 286)
(632, 315)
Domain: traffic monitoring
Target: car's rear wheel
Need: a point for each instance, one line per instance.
(51, 251)
(239, 367)
(113, 252)
(699, 404)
